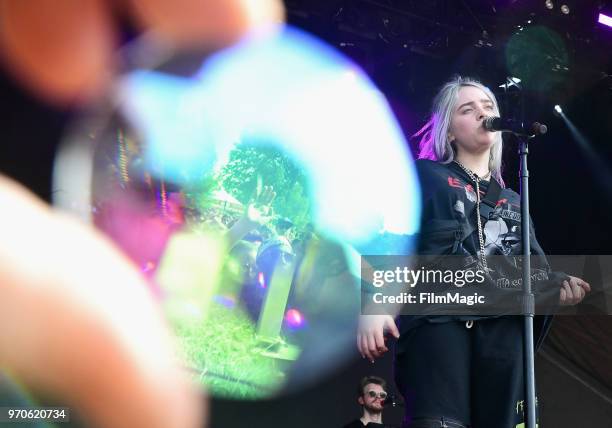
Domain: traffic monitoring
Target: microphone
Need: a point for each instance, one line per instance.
(392, 400)
(494, 124)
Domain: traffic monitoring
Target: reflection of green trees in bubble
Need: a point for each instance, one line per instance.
(252, 166)
(198, 194)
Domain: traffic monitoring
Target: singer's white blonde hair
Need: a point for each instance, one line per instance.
(435, 143)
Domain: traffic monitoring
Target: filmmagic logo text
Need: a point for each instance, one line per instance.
(430, 299)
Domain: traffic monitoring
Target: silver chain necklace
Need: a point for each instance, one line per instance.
(476, 180)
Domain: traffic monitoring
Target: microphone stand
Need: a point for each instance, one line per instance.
(528, 303)
(528, 298)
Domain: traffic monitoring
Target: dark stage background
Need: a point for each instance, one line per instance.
(409, 48)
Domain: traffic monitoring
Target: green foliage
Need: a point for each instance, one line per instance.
(220, 352)
(252, 166)
(197, 192)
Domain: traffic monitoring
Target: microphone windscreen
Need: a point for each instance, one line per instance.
(492, 123)
(540, 128)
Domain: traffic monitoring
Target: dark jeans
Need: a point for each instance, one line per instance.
(471, 377)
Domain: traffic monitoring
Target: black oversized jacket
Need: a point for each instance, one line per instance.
(448, 227)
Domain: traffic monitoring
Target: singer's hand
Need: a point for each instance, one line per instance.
(573, 291)
(371, 335)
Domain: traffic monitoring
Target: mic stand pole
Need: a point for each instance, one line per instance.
(528, 303)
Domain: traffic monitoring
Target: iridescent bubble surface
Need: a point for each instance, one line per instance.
(245, 189)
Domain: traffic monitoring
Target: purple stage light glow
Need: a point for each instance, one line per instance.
(605, 20)
(294, 319)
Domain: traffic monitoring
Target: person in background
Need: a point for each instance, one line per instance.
(371, 395)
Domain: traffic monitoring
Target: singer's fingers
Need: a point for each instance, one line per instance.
(363, 346)
(577, 291)
(379, 339)
(568, 292)
(582, 291)
(562, 296)
(585, 285)
(372, 346)
(392, 328)
(359, 346)
(569, 297)
(370, 355)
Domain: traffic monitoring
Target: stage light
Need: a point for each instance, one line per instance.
(511, 81)
(605, 20)
(558, 109)
(565, 9)
(294, 319)
(549, 4)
